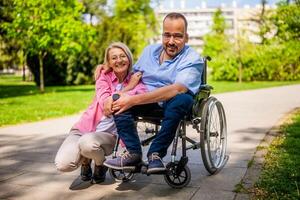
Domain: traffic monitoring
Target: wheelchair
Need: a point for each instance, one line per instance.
(207, 117)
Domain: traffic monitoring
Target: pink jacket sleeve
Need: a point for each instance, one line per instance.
(103, 88)
(140, 88)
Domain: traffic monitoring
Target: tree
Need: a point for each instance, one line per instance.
(216, 42)
(287, 21)
(261, 19)
(132, 22)
(94, 9)
(218, 46)
(48, 27)
(8, 54)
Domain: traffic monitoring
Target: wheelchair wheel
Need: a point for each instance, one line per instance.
(177, 180)
(121, 175)
(213, 137)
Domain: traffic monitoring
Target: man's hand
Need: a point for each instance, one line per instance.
(122, 104)
(99, 68)
(107, 107)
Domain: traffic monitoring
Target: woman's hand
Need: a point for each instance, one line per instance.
(102, 67)
(134, 80)
(107, 106)
(122, 104)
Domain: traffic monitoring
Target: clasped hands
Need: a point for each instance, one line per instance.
(118, 106)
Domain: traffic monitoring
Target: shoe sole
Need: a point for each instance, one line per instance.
(86, 178)
(156, 170)
(98, 180)
(125, 168)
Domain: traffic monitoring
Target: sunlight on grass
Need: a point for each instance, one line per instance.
(280, 178)
(229, 86)
(22, 102)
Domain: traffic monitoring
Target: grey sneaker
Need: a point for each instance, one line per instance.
(155, 164)
(124, 161)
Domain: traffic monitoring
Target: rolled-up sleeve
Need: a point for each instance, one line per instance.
(190, 76)
(140, 88)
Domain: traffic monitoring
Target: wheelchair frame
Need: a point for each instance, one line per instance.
(213, 143)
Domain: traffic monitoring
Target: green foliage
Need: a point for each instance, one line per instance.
(53, 28)
(216, 42)
(275, 59)
(218, 46)
(287, 21)
(58, 38)
(133, 23)
(8, 54)
(280, 178)
(275, 62)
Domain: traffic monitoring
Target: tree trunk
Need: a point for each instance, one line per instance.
(42, 86)
(240, 73)
(23, 72)
(22, 62)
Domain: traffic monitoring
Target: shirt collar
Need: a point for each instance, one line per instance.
(115, 79)
(160, 49)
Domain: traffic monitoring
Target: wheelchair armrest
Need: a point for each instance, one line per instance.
(206, 87)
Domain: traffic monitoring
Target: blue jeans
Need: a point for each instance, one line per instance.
(174, 110)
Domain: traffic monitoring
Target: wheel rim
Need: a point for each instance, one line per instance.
(121, 175)
(215, 134)
(174, 180)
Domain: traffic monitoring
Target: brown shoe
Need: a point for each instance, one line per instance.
(99, 173)
(86, 172)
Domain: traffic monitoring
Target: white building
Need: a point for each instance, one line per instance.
(200, 19)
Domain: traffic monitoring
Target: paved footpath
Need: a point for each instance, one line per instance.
(27, 152)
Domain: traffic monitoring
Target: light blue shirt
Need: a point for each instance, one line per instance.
(186, 68)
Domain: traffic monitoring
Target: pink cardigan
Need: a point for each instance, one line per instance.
(105, 87)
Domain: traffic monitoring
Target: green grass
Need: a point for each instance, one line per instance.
(280, 177)
(229, 86)
(22, 102)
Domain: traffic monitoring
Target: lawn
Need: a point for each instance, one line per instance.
(280, 177)
(21, 101)
(230, 86)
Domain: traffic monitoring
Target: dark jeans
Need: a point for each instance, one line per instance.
(174, 110)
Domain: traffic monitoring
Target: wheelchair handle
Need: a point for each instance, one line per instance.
(115, 97)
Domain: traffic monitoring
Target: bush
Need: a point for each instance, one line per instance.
(270, 62)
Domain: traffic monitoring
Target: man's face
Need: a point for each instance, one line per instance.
(174, 36)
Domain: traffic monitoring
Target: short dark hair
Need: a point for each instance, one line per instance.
(175, 15)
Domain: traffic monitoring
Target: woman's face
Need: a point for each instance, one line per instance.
(118, 61)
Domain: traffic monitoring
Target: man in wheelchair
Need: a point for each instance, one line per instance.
(172, 72)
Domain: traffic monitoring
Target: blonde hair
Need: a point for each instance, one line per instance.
(122, 46)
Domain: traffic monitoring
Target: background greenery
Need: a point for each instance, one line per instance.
(275, 57)
(62, 41)
(22, 102)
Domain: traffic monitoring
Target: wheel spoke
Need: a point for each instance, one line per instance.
(179, 181)
(182, 176)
